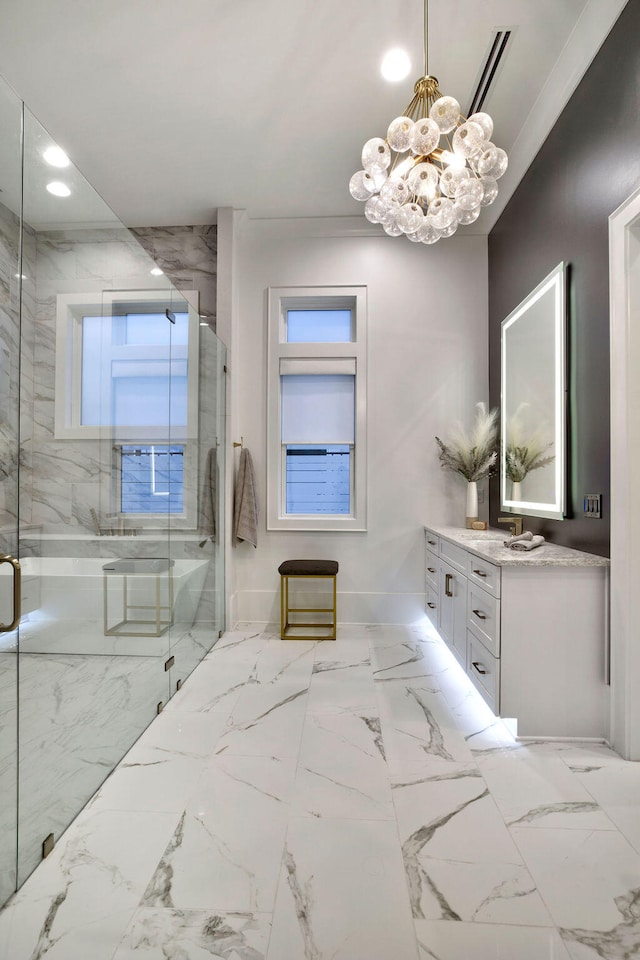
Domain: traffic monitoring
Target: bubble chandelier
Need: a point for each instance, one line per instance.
(434, 170)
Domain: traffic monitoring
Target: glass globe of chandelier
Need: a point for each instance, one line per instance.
(434, 170)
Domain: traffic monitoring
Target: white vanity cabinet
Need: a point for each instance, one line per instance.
(452, 596)
(484, 629)
(530, 631)
(432, 581)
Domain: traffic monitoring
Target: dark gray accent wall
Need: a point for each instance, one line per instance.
(589, 164)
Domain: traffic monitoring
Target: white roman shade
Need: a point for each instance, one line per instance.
(290, 366)
(318, 407)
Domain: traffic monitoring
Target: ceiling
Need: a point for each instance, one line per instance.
(172, 110)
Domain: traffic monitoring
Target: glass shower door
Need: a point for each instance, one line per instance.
(91, 672)
(10, 281)
(108, 413)
(197, 531)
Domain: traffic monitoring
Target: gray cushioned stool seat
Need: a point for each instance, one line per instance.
(307, 569)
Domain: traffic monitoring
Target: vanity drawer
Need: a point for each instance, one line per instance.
(431, 540)
(483, 617)
(484, 574)
(454, 555)
(431, 569)
(483, 670)
(431, 601)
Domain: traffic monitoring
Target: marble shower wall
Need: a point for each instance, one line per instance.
(188, 256)
(64, 479)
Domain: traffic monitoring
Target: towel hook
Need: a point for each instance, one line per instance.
(241, 444)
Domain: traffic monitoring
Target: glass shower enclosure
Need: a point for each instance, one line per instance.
(112, 421)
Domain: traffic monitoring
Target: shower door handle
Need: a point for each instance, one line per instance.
(17, 593)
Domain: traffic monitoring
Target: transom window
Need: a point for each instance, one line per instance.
(319, 326)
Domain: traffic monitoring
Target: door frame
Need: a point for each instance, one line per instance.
(624, 269)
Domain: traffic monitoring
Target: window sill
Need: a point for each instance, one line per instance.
(318, 524)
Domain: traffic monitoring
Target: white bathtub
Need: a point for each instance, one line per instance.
(72, 588)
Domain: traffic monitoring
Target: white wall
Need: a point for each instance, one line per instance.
(427, 328)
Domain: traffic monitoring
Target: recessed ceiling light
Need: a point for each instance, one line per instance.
(58, 189)
(56, 157)
(156, 271)
(395, 65)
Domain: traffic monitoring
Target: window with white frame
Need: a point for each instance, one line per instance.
(316, 464)
(126, 366)
(127, 371)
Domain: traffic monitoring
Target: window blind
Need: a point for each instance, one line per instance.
(318, 408)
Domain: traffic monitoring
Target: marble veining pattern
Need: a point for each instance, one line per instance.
(621, 941)
(157, 934)
(489, 545)
(90, 261)
(345, 801)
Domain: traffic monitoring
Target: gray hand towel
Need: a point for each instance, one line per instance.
(245, 513)
(528, 544)
(527, 535)
(207, 512)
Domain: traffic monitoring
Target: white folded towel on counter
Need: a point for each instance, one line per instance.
(527, 535)
(528, 544)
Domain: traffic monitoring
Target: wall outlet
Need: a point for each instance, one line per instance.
(480, 495)
(592, 505)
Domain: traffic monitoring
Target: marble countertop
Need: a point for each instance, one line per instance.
(489, 544)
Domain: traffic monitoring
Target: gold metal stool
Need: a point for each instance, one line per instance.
(158, 569)
(306, 570)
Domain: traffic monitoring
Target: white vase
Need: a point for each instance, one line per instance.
(516, 493)
(472, 502)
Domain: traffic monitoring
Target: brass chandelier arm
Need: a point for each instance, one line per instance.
(427, 88)
(425, 92)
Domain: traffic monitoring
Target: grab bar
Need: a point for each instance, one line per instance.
(17, 593)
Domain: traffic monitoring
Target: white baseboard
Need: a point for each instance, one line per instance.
(262, 606)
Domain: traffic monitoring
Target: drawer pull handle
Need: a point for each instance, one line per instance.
(480, 573)
(476, 666)
(431, 606)
(447, 584)
(431, 569)
(434, 543)
(480, 615)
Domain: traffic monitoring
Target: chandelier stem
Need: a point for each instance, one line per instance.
(426, 37)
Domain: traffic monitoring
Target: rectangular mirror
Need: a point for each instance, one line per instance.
(532, 454)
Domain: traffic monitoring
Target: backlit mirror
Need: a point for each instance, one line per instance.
(532, 455)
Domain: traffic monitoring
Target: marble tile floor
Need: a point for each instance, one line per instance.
(79, 712)
(353, 800)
